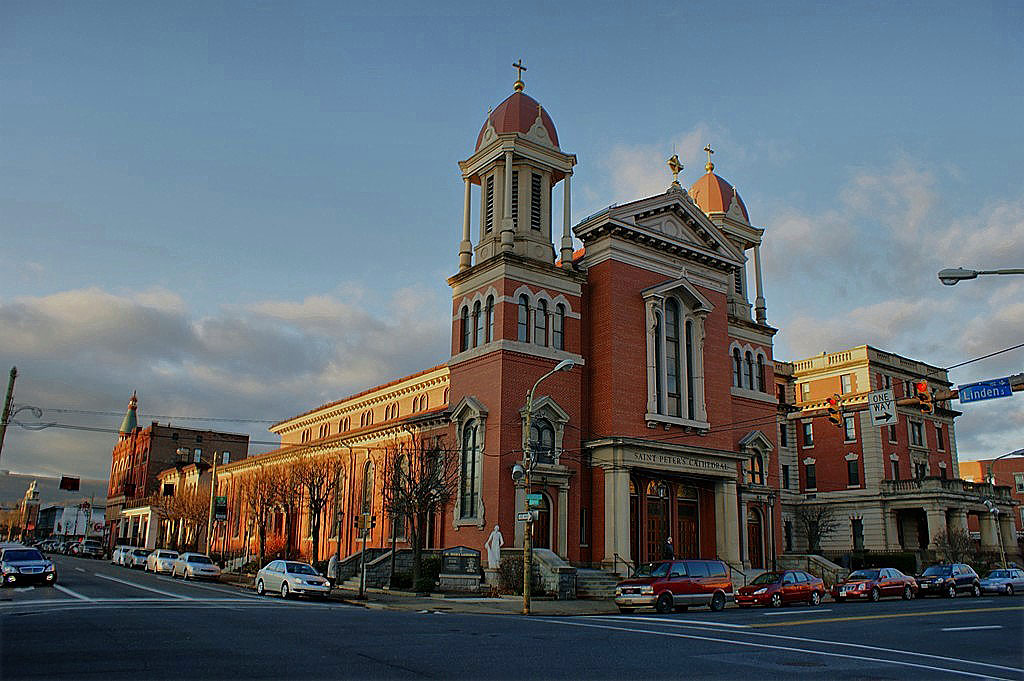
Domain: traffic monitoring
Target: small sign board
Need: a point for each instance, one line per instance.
(460, 560)
(220, 508)
(882, 406)
(524, 516)
(534, 500)
(985, 390)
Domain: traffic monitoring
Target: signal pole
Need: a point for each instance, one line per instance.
(7, 407)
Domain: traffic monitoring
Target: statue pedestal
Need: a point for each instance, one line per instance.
(491, 576)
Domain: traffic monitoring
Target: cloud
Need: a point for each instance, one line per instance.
(88, 349)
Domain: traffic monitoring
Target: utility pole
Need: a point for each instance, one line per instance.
(7, 407)
(213, 491)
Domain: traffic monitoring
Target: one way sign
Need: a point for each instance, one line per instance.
(883, 407)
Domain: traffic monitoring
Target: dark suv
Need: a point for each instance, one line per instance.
(675, 585)
(948, 580)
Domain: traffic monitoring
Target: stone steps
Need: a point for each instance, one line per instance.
(595, 583)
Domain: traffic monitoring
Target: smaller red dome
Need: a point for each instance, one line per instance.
(714, 195)
(518, 113)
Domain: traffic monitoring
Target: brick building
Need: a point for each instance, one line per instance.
(892, 487)
(142, 453)
(665, 425)
(1008, 472)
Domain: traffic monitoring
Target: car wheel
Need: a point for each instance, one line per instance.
(975, 590)
(626, 611)
(718, 602)
(284, 590)
(260, 588)
(908, 593)
(815, 598)
(876, 595)
(951, 591)
(776, 601)
(1009, 589)
(664, 604)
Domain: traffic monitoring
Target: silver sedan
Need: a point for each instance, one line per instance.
(195, 566)
(161, 560)
(288, 577)
(1004, 581)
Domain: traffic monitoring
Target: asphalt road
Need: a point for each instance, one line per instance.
(111, 623)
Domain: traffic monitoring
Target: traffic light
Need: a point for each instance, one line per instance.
(924, 396)
(835, 412)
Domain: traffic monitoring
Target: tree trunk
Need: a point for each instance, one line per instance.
(314, 526)
(287, 534)
(263, 543)
(415, 523)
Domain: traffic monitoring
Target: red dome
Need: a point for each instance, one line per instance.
(518, 113)
(714, 195)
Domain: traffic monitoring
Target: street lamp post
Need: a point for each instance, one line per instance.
(564, 365)
(951, 276)
(771, 526)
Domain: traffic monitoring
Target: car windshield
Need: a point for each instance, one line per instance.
(652, 570)
(23, 554)
(938, 571)
(140, 552)
(864, 574)
(767, 578)
(999, 574)
(300, 569)
(92, 544)
(167, 554)
(200, 559)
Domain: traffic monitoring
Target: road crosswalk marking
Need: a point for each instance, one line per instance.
(851, 618)
(144, 588)
(69, 592)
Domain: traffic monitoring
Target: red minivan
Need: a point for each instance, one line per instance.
(675, 585)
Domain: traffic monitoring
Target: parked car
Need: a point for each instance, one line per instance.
(781, 588)
(125, 555)
(288, 577)
(136, 558)
(21, 565)
(675, 585)
(874, 584)
(1003, 581)
(90, 548)
(161, 560)
(195, 566)
(948, 581)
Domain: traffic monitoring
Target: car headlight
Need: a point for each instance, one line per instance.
(647, 589)
(618, 591)
(49, 568)
(9, 570)
(760, 591)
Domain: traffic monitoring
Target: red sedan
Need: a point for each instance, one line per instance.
(779, 588)
(874, 584)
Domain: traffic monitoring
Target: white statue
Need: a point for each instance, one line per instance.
(493, 546)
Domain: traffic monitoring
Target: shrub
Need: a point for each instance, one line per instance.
(510, 575)
(430, 569)
(401, 580)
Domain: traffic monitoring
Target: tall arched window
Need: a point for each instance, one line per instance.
(659, 364)
(672, 357)
(465, 329)
(478, 325)
(542, 441)
(524, 319)
(558, 328)
(540, 323)
(690, 378)
(489, 319)
(467, 483)
(756, 475)
(760, 373)
(748, 376)
(367, 505)
(737, 369)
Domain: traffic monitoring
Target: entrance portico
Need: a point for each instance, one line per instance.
(655, 490)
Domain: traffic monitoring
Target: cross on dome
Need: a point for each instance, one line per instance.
(709, 166)
(519, 85)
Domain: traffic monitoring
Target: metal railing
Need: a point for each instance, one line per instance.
(630, 566)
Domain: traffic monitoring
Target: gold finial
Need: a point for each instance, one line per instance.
(709, 166)
(519, 85)
(675, 166)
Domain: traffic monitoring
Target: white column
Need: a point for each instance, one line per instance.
(744, 549)
(987, 525)
(759, 306)
(958, 519)
(1009, 531)
(466, 246)
(566, 221)
(936, 524)
(726, 522)
(563, 521)
(616, 514)
(507, 228)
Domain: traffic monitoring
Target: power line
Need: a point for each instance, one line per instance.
(991, 354)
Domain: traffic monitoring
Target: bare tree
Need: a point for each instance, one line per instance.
(191, 507)
(816, 522)
(955, 545)
(420, 478)
(259, 496)
(288, 494)
(318, 475)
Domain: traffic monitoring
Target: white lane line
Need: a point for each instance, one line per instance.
(69, 592)
(144, 588)
(80, 569)
(208, 588)
(751, 644)
(797, 612)
(987, 626)
(671, 620)
(861, 646)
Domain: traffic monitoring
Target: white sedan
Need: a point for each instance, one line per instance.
(195, 566)
(288, 577)
(161, 560)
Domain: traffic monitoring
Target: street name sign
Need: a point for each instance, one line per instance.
(882, 405)
(985, 390)
(534, 500)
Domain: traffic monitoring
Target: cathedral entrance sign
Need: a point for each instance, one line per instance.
(681, 462)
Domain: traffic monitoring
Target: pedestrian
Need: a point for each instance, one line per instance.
(332, 570)
(670, 551)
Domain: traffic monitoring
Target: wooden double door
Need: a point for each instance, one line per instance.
(666, 509)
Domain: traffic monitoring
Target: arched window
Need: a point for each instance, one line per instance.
(760, 373)
(659, 365)
(756, 474)
(467, 483)
(489, 319)
(425, 402)
(465, 329)
(558, 328)
(540, 323)
(478, 325)
(447, 395)
(737, 368)
(691, 381)
(672, 356)
(542, 441)
(748, 376)
(367, 505)
(524, 319)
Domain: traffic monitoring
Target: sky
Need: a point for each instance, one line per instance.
(245, 210)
